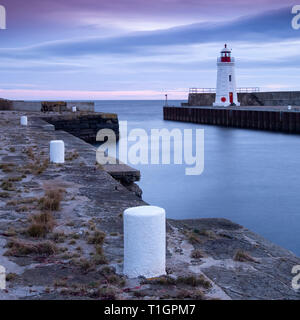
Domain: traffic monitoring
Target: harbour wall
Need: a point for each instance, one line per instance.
(36, 106)
(277, 98)
(251, 118)
(92, 204)
(84, 126)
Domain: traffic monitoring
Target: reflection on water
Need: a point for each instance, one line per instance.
(250, 177)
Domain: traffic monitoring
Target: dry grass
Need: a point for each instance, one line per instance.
(10, 232)
(52, 199)
(164, 280)
(58, 237)
(84, 265)
(70, 156)
(107, 270)
(21, 248)
(29, 152)
(99, 259)
(7, 167)
(8, 186)
(22, 201)
(189, 294)
(194, 281)
(107, 293)
(15, 179)
(205, 233)
(11, 276)
(4, 195)
(193, 238)
(41, 224)
(196, 254)
(37, 167)
(97, 238)
(116, 280)
(22, 209)
(243, 256)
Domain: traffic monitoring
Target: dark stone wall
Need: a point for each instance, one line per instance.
(278, 98)
(272, 120)
(87, 126)
(5, 104)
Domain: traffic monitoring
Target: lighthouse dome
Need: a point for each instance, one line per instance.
(225, 49)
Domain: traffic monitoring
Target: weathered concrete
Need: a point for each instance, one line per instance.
(81, 106)
(278, 98)
(92, 201)
(32, 106)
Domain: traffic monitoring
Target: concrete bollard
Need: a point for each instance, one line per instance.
(74, 109)
(2, 278)
(144, 242)
(289, 107)
(57, 151)
(23, 121)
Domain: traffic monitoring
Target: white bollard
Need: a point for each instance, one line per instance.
(144, 242)
(2, 278)
(74, 109)
(24, 121)
(289, 107)
(57, 151)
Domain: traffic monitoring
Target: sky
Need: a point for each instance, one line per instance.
(142, 49)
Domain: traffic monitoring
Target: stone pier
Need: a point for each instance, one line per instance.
(61, 232)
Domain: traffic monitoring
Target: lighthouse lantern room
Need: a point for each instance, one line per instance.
(226, 86)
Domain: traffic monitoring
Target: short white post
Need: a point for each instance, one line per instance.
(289, 107)
(74, 109)
(57, 151)
(24, 121)
(2, 278)
(144, 242)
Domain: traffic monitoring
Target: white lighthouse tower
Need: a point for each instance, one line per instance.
(226, 85)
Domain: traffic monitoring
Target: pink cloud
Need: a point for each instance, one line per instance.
(21, 94)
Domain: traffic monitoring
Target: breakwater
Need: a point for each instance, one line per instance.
(53, 106)
(267, 118)
(81, 255)
(276, 98)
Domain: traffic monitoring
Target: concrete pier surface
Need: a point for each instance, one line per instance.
(271, 118)
(61, 232)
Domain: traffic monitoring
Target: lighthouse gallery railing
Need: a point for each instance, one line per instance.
(213, 90)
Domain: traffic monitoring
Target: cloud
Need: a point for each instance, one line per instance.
(266, 27)
(87, 95)
(140, 64)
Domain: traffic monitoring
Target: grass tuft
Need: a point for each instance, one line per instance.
(41, 224)
(52, 199)
(196, 254)
(243, 256)
(97, 238)
(21, 248)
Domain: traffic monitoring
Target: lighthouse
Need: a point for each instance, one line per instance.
(226, 86)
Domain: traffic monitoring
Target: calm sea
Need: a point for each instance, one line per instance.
(250, 177)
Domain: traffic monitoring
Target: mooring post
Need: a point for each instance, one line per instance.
(23, 121)
(2, 278)
(57, 151)
(144, 242)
